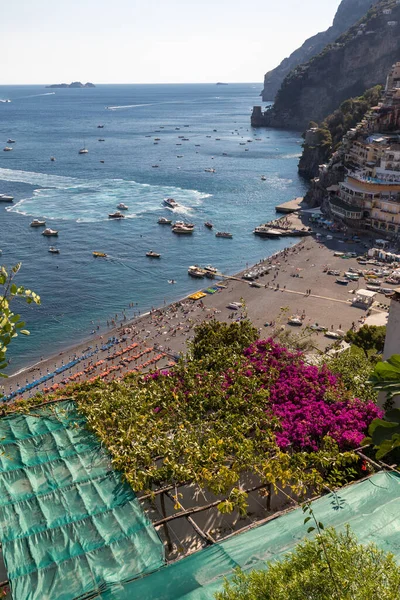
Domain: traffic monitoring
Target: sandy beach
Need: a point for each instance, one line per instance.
(296, 284)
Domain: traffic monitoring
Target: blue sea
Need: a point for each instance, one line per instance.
(75, 194)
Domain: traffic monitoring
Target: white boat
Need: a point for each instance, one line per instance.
(37, 223)
(333, 335)
(170, 202)
(164, 221)
(116, 215)
(224, 234)
(197, 272)
(210, 271)
(53, 250)
(184, 224)
(267, 232)
(83, 150)
(50, 232)
(295, 321)
(209, 170)
(263, 178)
(5, 198)
(122, 206)
(235, 305)
(182, 230)
(152, 254)
(7, 149)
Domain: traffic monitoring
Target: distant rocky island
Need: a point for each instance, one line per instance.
(74, 84)
(221, 83)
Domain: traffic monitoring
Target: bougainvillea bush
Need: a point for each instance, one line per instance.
(235, 405)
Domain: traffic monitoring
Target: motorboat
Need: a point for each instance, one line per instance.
(164, 221)
(122, 206)
(101, 140)
(52, 159)
(171, 281)
(170, 202)
(7, 149)
(210, 271)
(99, 254)
(342, 281)
(100, 126)
(5, 198)
(152, 254)
(197, 272)
(184, 224)
(10, 141)
(83, 151)
(102, 161)
(182, 230)
(5, 101)
(37, 223)
(50, 232)
(209, 224)
(53, 250)
(116, 215)
(209, 170)
(333, 272)
(157, 139)
(317, 327)
(267, 232)
(224, 234)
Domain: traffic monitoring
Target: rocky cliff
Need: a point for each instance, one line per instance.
(74, 84)
(358, 60)
(348, 13)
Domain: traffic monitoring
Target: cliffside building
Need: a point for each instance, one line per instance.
(369, 196)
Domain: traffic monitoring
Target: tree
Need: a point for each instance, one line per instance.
(355, 371)
(384, 433)
(10, 323)
(368, 337)
(358, 573)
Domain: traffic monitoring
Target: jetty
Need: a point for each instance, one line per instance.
(291, 206)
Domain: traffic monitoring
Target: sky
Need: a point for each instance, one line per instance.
(153, 41)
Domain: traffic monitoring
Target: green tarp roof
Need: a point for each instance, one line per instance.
(68, 525)
(371, 507)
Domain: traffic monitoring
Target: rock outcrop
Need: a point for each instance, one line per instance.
(348, 13)
(358, 60)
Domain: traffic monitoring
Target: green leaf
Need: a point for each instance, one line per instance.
(310, 529)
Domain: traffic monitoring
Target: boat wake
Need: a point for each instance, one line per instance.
(36, 95)
(85, 200)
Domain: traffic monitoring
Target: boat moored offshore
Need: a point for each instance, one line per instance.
(164, 221)
(223, 234)
(122, 206)
(5, 198)
(196, 271)
(99, 254)
(116, 215)
(50, 232)
(152, 254)
(37, 223)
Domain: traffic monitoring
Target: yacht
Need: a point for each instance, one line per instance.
(37, 223)
(10, 141)
(7, 149)
(184, 224)
(54, 250)
(5, 198)
(209, 224)
(195, 271)
(5, 101)
(209, 170)
(122, 206)
(170, 202)
(164, 221)
(50, 232)
(224, 234)
(83, 150)
(263, 178)
(116, 215)
(99, 254)
(152, 254)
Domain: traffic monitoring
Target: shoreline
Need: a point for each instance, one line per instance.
(293, 281)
